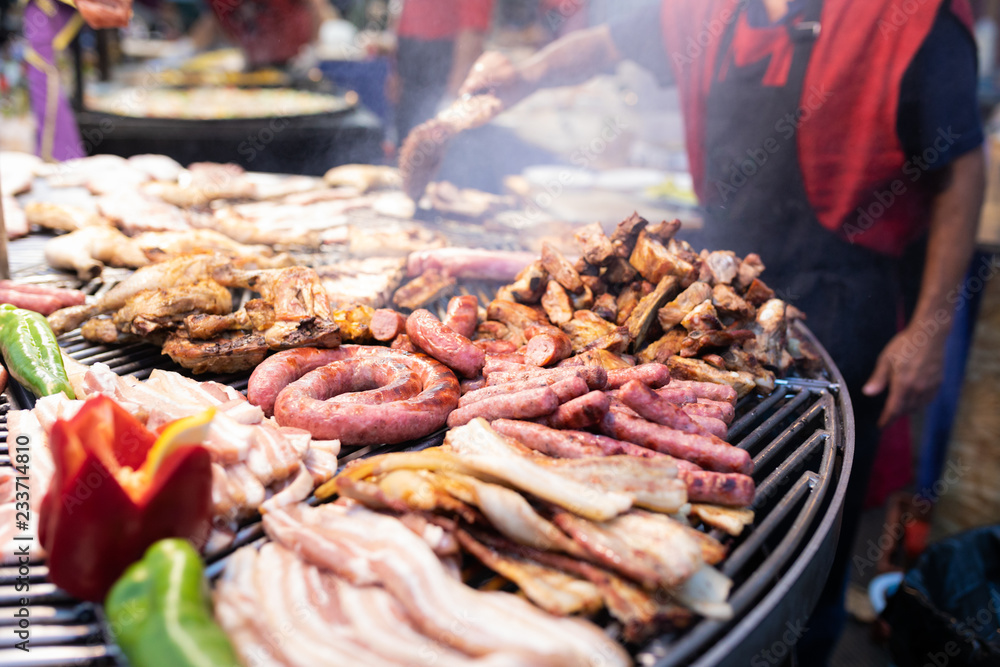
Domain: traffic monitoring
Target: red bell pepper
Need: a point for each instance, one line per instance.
(116, 490)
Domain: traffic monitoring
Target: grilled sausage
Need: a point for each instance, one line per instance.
(546, 345)
(403, 343)
(462, 315)
(306, 404)
(494, 347)
(706, 451)
(525, 404)
(387, 324)
(713, 409)
(283, 368)
(452, 349)
(654, 375)
(653, 407)
(565, 388)
(579, 413)
(709, 390)
(718, 488)
(595, 376)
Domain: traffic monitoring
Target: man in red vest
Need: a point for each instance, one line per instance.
(832, 137)
(439, 40)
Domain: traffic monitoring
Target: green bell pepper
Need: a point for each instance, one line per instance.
(31, 352)
(160, 613)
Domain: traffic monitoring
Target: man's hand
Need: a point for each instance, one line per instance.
(912, 367)
(494, 73)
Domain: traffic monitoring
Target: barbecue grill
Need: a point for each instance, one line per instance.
(801, 438)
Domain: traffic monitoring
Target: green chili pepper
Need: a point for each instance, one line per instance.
(160, 614)
(31, 352)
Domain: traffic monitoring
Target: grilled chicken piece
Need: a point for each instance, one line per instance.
(596, 246)
(699, 371)
(423, 290)
(556, 303)
(369, 282)
(165, 308)
(702, 317)
(184, 270)
(653, 261)
(294, 292)
(671, 314)
(87, 250)
(727, 301)
(103, 330)
(423, 150)
(61, 217)
(644, 316)
(228, 354)
(585, 328)
(771, 328)
(162, 245)
(159, 167)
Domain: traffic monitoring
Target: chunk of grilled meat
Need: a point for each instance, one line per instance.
(165, 308)
(229, 354)
(672, 313)
(422, 290)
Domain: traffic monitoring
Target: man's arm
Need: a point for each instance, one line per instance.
(912, 364)
(567, 61)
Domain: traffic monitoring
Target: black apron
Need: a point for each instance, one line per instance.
(768, 212)
(848, 292)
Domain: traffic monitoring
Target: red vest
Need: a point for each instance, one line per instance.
(859, 181)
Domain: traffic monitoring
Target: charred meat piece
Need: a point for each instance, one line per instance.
(620, 272)
(561, 270)
(726, 300)
(556, 303)
(671, 314)
(615, 342)
(514, 314)
(609, 361)
(702, 318)
(103, 330)
(738, 359)
(698, 342)
(165, 308)
(596, 246)
(624, 237)
(585, 328)
(699, 371)
(370, 281)
(758, 293)
(582, 301)
(722, 265)
(750, 269)
(642, 319)
(222, 355)
(664, 231)
(422, 290)
(627, 300)
(653, 261)
(606, 306)
(661, 350)
(771, 328)
(294, 292)
(530, 284)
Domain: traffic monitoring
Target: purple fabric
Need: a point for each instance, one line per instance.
(41, 29)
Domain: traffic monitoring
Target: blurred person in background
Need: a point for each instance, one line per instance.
(438, 41)
(832, 137)
(49, 27)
